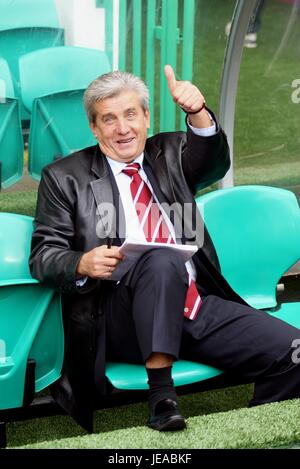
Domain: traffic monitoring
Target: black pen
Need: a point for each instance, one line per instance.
(109, 243)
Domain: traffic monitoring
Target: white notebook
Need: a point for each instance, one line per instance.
(132, 250)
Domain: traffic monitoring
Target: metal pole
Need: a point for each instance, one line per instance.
(168, 56)
(115, 38)
(137, 37)
(231, 69)
(187, 46)
(122, 34)
(108, 5)
(150, 58)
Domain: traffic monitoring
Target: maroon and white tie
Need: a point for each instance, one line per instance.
(156, 229)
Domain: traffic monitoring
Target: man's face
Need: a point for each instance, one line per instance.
(121, 126)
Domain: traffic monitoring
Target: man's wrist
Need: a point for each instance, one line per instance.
(199, 110)
(80, 272)
(203, 131)
(201, 120)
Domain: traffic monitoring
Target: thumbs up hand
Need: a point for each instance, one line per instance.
(184, 93)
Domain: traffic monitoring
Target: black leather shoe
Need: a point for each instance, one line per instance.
(166, 416)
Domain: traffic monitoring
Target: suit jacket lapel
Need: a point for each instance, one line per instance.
(109, 207)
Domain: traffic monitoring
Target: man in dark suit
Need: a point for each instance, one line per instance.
(162, 308)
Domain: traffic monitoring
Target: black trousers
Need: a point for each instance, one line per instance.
(144, 314)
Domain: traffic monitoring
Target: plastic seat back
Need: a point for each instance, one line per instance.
(59, 125)
(51, 71)
(11, 138)
(256, 232)
(25, 26)
(6, 84)
(30, 316)
(16, 42)
(15, 236)
(28, 13)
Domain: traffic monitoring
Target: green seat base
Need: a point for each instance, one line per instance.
(134, 377)
(6, 364)
(289, 312)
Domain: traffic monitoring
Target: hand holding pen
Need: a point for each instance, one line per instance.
(100, 262)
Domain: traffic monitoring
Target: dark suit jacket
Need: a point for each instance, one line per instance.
(67, 225)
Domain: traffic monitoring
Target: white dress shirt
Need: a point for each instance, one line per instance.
(133, 227)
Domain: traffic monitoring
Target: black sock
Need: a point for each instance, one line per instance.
(161, 385)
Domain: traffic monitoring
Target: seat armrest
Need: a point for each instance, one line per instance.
(18, 281)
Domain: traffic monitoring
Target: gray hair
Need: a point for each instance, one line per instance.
(112, 84)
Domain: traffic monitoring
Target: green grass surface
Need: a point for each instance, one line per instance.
(18, 202)
(126, 417)
(216, 419)
(267, 137)
(266, 151)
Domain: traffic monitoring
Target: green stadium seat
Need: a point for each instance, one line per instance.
(134, 377)
(243, 254)
(11, 139)
(256, 232)
(53, 82)
(6, 84)
(27, 14)
(34, 311)
(31, 328)
(25, 26)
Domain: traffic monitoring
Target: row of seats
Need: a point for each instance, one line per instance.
(52, 81)
(253, 259)
(26, 26)
(41, 81)
(11, 138)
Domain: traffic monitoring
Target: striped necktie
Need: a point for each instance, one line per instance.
(156, 229)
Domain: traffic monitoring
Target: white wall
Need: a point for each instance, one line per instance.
(83, 23)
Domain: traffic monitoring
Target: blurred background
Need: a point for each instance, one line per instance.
(252, 82)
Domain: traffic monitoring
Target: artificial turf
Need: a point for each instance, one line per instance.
(266, 132)
(215, 419)
(266, 151)
(22, 202)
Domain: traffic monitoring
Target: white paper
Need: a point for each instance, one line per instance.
(132, 250)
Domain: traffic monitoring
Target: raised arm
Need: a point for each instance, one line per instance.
(206, 158)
